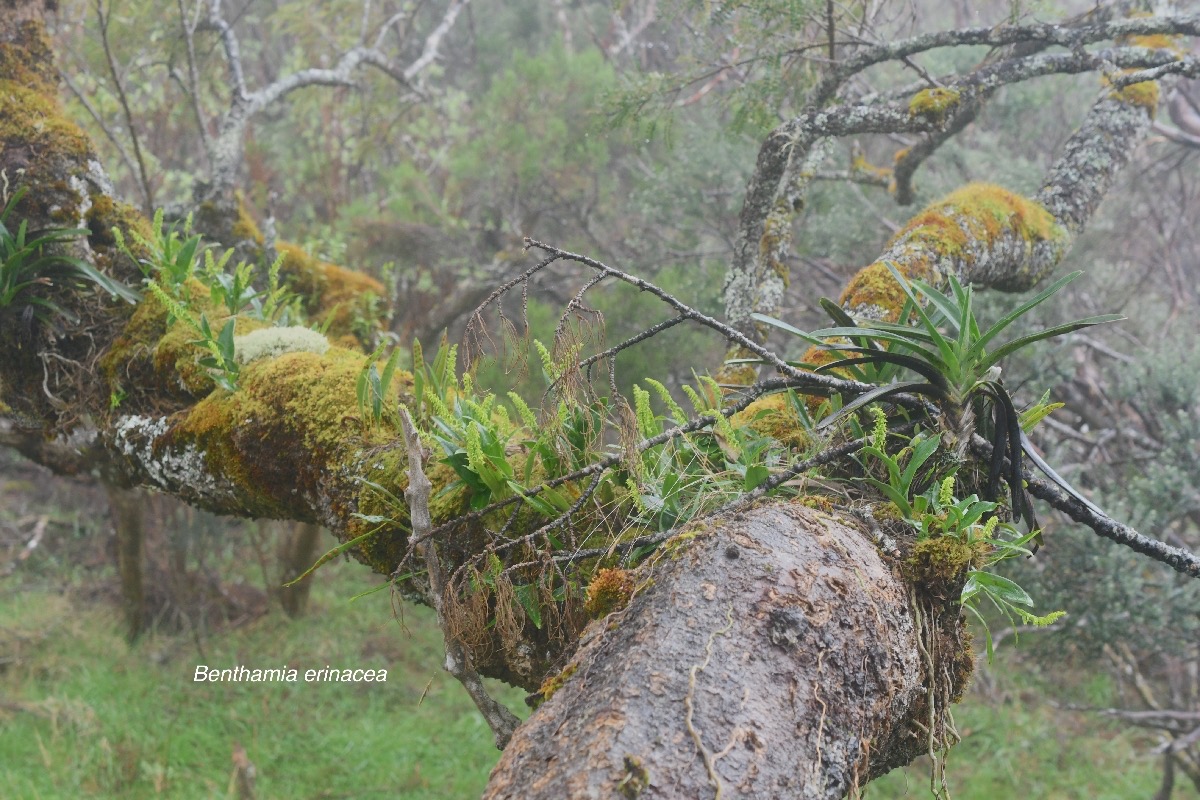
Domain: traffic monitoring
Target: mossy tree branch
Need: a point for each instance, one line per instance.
(790, 157)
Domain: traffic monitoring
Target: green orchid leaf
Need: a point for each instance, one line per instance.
(1048, 333)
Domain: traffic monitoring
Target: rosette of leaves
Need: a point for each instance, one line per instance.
(29, 261)
(957, 364)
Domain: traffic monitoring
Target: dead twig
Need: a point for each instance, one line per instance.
(458, 662)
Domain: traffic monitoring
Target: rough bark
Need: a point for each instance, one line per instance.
(772, 655)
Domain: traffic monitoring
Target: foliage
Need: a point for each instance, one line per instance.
(221, 359)
(170, 268)
(695, 474)
(936, 512)
(29, 260)
(761, 55)
(373, 387)
(1123, 602)
(960, 370)
(172, 249)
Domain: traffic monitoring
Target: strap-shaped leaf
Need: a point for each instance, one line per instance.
(783, 326)
(929, 372)
(898, 334)
(949, 357)
(1058, 480)
(1048, 333)
(841, 318)
(879, 393)
(1021, 310)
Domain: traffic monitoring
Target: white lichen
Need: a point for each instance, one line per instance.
(274, 342)
(169, 469)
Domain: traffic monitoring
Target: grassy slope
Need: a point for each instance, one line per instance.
(82, 715)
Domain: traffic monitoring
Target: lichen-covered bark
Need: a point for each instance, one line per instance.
(790, 155)
(777, 646)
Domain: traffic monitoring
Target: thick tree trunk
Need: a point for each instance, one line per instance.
(127, 517)
(297, 552)
(773, 654)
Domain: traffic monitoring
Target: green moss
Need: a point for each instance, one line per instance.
(293, 419)
(41, 146)
(887, 512)
(875, 287)
(636, 779)
(1156, 41)
(35, 136)
(1143, 95)
(939, 564)
(772, 416)
(28, 59)
(33, 119)
(678, 544)
(556, 682)
(245, 229)
(777, 233)
(159, 362)
(345, 299)
(934, 103)
(736, 374)
(860, 165)
(818, 502)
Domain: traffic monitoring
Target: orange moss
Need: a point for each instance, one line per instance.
(874, 286)
(952, 230)
(611, 590)
(349, 301)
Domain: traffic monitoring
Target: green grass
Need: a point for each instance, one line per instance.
(1019, 745)
(83, 715)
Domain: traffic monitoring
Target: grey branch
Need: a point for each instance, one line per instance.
(1047, 33)
(228, 150)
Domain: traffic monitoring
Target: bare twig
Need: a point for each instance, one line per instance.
(192, 86)
(109, 134)
(458, 661)
(143, 178)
